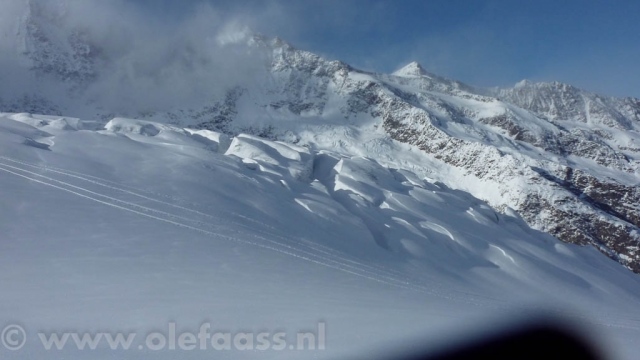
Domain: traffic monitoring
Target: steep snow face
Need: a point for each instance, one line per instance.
(565, 160)
(132, 225)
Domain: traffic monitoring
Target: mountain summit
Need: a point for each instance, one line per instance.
(411, 69)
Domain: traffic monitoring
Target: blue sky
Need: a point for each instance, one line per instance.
(591, 44)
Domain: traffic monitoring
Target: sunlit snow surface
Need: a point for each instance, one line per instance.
(133, 225)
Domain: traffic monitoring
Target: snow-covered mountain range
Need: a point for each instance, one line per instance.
(565, 160)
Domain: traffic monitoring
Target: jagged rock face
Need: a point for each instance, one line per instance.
(67, 56)
(565, 160)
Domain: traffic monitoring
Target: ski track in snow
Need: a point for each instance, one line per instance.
(130, 190)
(137, 193)
(174, 219)
(322, 261)
(98, 181)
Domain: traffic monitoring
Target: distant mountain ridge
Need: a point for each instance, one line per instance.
(565, 160)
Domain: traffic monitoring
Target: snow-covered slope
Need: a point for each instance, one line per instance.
(132, 225)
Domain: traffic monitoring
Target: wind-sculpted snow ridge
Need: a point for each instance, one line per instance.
(565, 160)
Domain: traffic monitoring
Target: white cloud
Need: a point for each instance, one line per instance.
(143, 62)
(233, 33)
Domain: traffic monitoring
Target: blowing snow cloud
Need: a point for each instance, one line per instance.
(113, 55)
